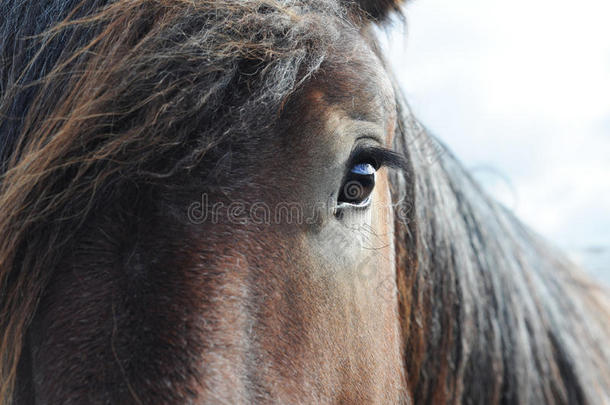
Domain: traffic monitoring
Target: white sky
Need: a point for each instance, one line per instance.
(520, 91)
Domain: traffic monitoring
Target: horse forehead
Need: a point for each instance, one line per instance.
(363, 95)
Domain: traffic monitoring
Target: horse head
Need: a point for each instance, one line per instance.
(230, 202)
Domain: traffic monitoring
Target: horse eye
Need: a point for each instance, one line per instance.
(357, 186)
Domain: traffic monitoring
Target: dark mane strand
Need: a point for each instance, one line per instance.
(493, 313)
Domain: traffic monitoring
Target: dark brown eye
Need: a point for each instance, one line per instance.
(357, 186)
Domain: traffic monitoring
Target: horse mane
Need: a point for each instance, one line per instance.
(492, 313)
(97, 96)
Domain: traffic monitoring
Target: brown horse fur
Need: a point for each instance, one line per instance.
(112, 113)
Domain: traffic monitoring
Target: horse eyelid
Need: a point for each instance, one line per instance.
(380, 156)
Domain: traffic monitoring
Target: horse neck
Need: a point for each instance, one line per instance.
(496, 313)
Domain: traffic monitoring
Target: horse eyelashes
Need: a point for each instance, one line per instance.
(378, 157)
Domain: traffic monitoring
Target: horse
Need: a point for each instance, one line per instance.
(217, 201)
